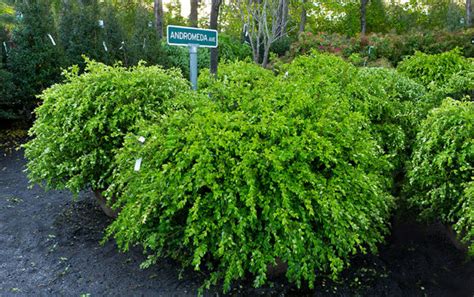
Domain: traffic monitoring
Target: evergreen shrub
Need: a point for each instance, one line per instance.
(395, 105)
(33, 60)
(272, 168)
(435, 71)
(441, 172)
(82, 121)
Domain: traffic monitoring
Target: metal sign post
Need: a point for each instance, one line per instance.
(193, 65)
(193, 38)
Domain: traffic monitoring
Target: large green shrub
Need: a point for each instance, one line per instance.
(441, 173)
(271, 168)
(446, 74)
(392, 102)
(395, 106)
(82, 122)
(435, 70)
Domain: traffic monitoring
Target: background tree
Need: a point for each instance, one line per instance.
(263, 20)
(193, 14)
(158, 9)
(363, 16)
(215, 5)
(468, 13)
(303, 17)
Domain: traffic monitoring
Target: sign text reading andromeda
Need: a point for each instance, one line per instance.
(191, 36)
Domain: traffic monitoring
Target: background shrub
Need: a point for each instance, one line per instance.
(445, 74)
(441, 173)
(82, 121)
(9, 107)
(390, 46)
(232, 49)
(33, 60)
(434, 70)
(284, 171)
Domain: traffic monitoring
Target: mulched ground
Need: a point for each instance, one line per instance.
(49, 245)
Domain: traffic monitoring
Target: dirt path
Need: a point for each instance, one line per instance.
(49, 245)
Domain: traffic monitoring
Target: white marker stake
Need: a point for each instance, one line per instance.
(52, 40)
(5, 46)
(138, 162)
(105, 46)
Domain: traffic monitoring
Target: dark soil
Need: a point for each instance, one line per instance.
(49, 245)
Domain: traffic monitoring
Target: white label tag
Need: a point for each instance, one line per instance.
(105, 46)
(138, 163)
(52, 39)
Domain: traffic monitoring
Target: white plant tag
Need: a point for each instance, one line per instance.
(141, 139)
(105, 46)
(52, 39)
(5, 46)
(138, 164)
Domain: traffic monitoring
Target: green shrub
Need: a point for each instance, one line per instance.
(281, 46)
(272, 168)
(436, 70)
(391, 47)
(447, 74)
(82, 122)
(441, 173)
(178, 56)
(80, 32)
(395, 106)
(9, 107)
(392, 102)
(34, 61)
(231, 49)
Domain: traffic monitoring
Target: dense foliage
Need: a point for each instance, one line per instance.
(8, 106)
(435, 70)
(446, 74)
(34, 62)
(441, 173)
(82, 122)
(232, 49)
(391, 47)
(272, 168)
(395, 106)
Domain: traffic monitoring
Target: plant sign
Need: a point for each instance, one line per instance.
(192, 38)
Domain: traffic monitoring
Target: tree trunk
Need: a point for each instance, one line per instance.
(215, 5)
(193, 15)
(282, 18)
(266, 52)
(468, 13)
(363, 21)
(303, 17)
(158, 9)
